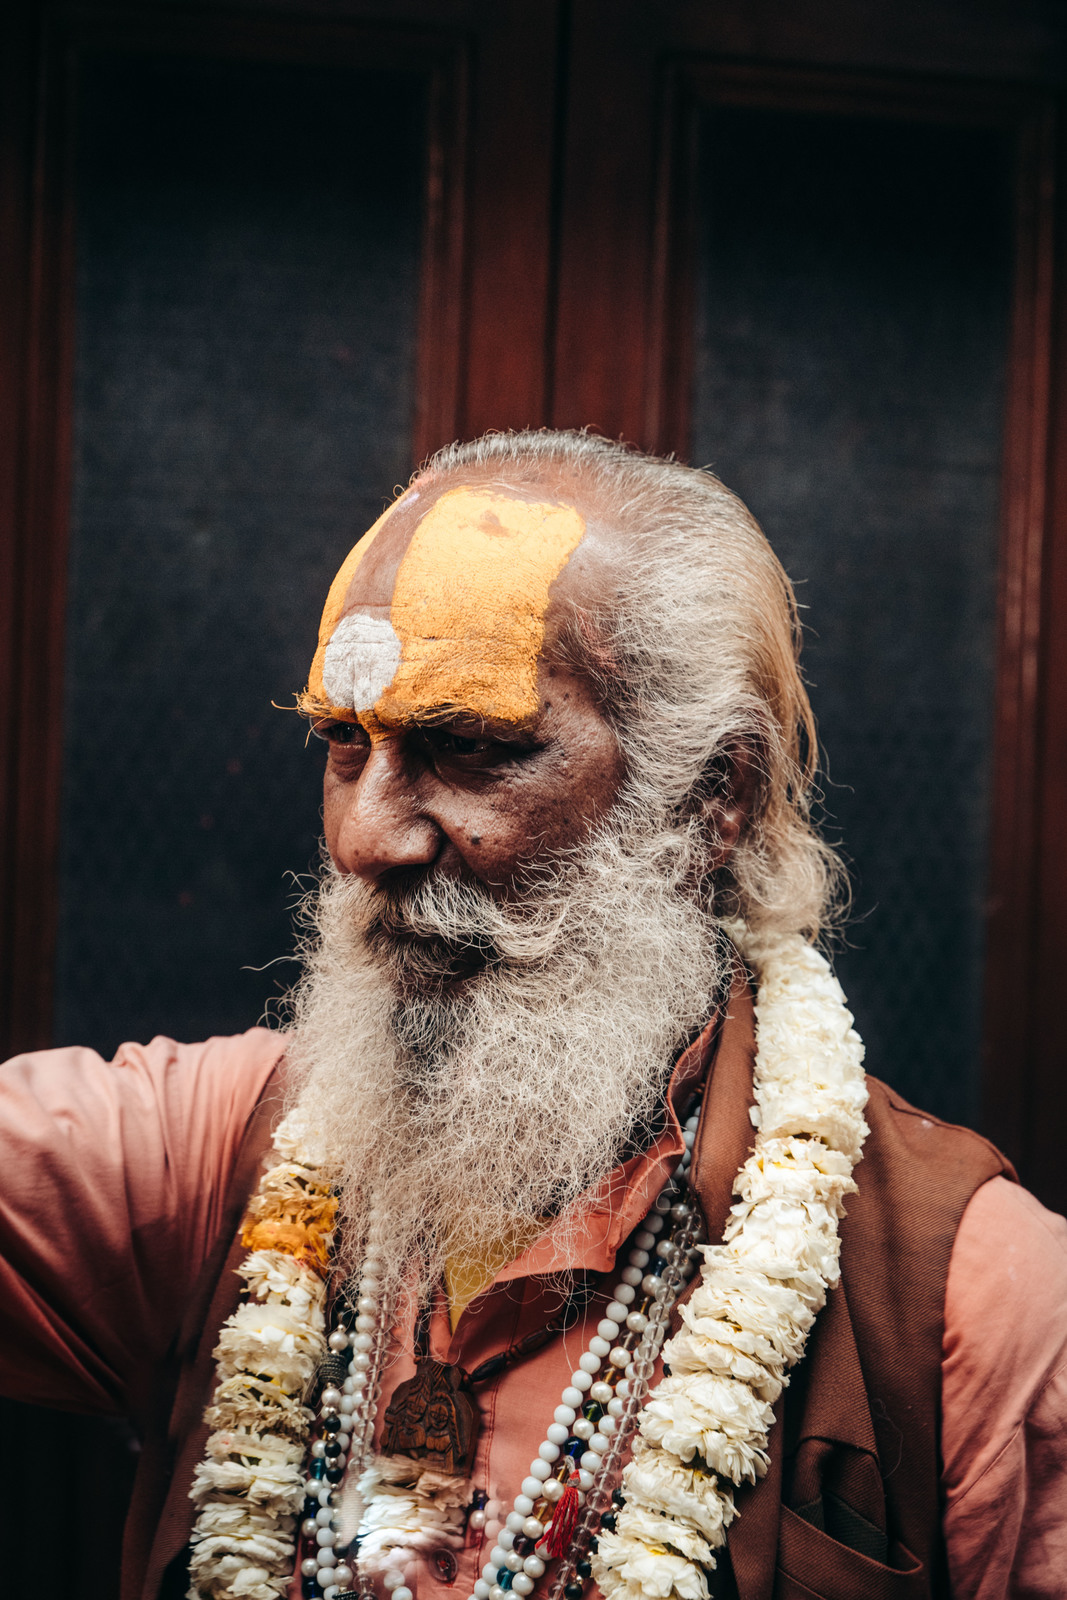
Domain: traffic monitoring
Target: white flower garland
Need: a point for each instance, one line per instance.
(746, 1324)
(250, 1486)
(748, 1320)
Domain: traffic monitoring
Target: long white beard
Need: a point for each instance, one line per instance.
(466, 1113)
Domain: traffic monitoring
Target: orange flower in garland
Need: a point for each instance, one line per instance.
(249, 1487)
(292, 1216)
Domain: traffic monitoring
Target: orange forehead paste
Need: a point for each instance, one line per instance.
(469, 605)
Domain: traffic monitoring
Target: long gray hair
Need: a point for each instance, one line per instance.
(696, 658)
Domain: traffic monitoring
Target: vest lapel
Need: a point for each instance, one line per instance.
(724, 1142)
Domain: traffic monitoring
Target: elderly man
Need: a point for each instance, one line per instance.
(537, 1254)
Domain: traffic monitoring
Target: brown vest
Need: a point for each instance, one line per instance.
(850, 1509)
(851, 1506)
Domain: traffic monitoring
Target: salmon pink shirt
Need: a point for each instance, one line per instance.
(112, 1184)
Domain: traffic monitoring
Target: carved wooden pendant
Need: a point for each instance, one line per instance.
(433, 1417)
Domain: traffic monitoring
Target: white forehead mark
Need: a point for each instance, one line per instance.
(361, 661)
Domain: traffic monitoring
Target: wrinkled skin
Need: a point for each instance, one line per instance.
(464, 797)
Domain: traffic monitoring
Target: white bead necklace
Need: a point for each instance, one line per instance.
(642, 1303)
(346, 1425)
(572, 1477)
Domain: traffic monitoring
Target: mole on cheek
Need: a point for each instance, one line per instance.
(476, 838)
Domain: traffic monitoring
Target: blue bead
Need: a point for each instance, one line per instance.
(504, 1577)
(318, 1469)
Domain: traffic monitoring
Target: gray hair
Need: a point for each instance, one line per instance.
(695, 654)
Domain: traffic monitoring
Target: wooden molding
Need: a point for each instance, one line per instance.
(475, 366)
(644, 246)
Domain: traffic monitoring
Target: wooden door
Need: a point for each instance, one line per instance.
(815, 247)
(258, 262)
(270, 261)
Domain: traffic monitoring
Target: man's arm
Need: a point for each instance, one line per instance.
(113, 1178)
(1004, 1399)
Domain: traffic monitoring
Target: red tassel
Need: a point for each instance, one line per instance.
(564, 1521)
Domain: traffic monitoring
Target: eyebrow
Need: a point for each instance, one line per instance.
(441, 716)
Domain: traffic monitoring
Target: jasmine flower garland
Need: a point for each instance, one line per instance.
(704, 1429)
(250, 1485)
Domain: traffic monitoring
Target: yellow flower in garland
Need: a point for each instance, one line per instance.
(249, 1487)
(291, 1214)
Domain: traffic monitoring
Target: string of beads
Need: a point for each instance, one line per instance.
(584, 1449)
(568, 1495)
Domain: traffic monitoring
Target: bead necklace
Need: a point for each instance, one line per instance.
(568, 1493)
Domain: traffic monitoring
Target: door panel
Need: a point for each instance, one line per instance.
(690, 318)
(850, 338)
(248, 237)
(271, 259)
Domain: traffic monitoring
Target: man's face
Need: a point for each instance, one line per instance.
(523, 1021)
(457, 749)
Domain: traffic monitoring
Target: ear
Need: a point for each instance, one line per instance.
(728, 802)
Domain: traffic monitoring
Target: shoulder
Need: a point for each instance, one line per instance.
(1005, 1307)
(114, 1180)
(1004, 1394)
(151, 1116)
(77, 1083)
(916, 1178)
(921, 1136)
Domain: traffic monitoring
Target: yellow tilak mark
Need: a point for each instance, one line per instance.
(314, 699)
(469, 605)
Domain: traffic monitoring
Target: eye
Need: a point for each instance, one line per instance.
(446, 742)
(472, 749)
(334, 732)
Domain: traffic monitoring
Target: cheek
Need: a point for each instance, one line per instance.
(591, 772)
(572, 790)
(519, 821)
(332, 810)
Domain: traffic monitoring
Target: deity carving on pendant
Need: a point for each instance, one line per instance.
(433, 1417)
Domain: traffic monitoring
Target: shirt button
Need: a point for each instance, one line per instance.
(444, 1564)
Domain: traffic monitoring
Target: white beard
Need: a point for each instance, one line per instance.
(465, 1113)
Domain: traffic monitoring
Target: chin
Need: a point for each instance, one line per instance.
(425, 968)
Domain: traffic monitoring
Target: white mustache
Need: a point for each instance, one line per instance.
(535, 1072)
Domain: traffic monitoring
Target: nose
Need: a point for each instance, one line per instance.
(374, 823)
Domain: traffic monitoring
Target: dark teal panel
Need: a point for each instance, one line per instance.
(851, 341)
(248, 245)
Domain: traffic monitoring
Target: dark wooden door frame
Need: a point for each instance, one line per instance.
(483, 327)
(551, 294)
(626, 292)
(1028, 119)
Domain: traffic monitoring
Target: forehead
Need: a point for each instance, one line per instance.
(443, 605)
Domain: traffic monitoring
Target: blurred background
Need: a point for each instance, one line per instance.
(259, 258)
